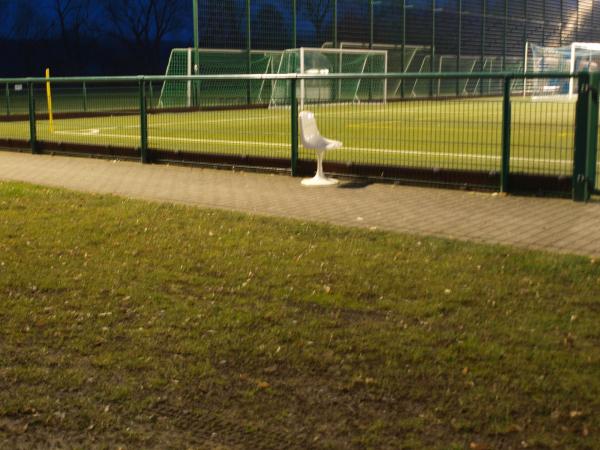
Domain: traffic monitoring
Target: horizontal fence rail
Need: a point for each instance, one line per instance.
(503, 131)
(297, 76)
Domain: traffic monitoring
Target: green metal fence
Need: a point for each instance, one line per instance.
(452, 35)
(514, 139)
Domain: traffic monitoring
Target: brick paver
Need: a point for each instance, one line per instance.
(540, 223)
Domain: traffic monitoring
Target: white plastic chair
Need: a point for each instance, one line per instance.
(311, 138)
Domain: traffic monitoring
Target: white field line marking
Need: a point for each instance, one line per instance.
(361, 149)
(155, 125)
(175, 139)
(399, 111)
(372, 124)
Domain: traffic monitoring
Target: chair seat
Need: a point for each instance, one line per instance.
(332, 145)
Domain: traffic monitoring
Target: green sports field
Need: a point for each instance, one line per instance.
(451, 134)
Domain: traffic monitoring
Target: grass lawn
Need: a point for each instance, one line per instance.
(456, 134)
(145, 325)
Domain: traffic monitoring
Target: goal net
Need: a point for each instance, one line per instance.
(573, 58)
(327, 61)
(400, 58)
(186, 93)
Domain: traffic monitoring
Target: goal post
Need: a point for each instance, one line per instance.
(573, 58)
(330, 61)
(401, 58)
(177, 93)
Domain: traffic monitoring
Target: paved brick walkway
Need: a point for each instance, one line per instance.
(541, 223)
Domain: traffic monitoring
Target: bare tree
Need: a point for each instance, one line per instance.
(73, 22)
(4, 18)
(20, 20)
(74, 17)
(272, 34)
(142, 25)
(319, 13)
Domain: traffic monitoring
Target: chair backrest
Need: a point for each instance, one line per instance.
(309, 132)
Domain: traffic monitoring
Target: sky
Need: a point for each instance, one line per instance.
(45, 8)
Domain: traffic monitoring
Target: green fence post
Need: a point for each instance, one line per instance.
(403, 47)
(295, 24)
(432, 49)
(7, 99)
(196, 55)
(459, 39)
(85, 103)
(586, 136)
(371, 41)
(560, 28)
(335, 24)
(483, 29)
(371, 25)
(248, 47)
(32, 124)
(592, 156)
(506, 127)
(294, 123)
(151, 93)
(143, 123)
(505, 34)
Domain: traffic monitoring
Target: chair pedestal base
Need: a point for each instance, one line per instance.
(319, 181)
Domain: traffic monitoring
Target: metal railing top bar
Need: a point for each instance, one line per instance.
(296, 76)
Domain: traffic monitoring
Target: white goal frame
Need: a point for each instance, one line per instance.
(335, 51)
(191, 70)
(574, 46)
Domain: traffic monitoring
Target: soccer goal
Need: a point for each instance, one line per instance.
(573, 58)
(324, 61)
(180, 93)
(401, 58)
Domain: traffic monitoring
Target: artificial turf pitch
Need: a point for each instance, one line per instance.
(449, 134)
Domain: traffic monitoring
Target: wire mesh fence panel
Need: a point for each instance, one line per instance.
(420, 37)
(222, 24)
(14, 107)
(553, 25)
(482, 26)
(181, 93)
(218, 126)
(325, 61)
(14, 128)
(98, 117)
(430, 134)
(14, 99)
(388, 24)
(353, 21)
(542, 137)
(271, 25)
(570, 12)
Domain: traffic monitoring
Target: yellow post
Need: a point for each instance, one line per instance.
(49, 97)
